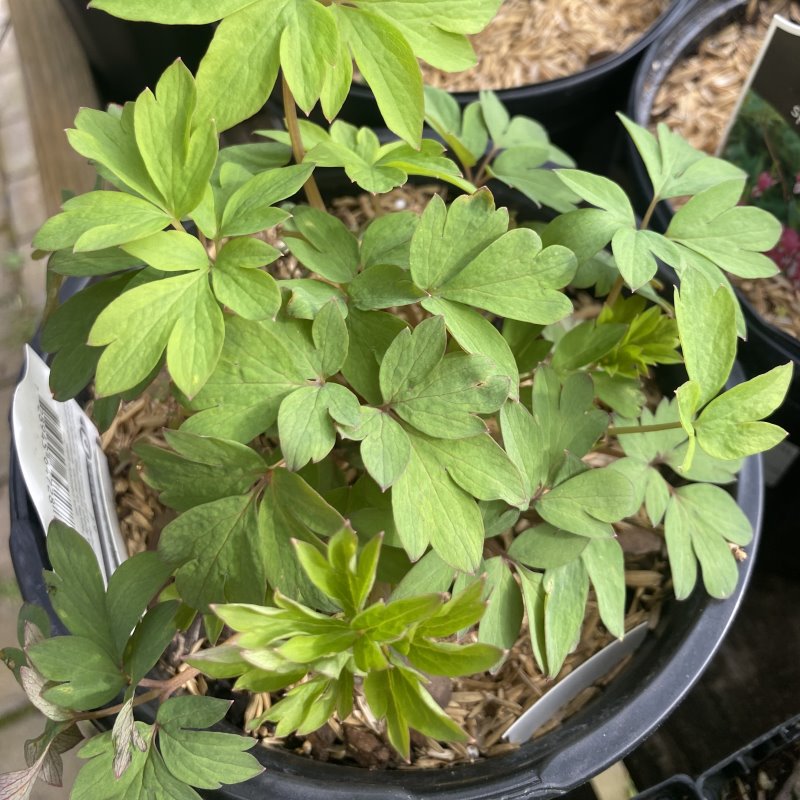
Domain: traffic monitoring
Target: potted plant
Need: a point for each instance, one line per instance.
(692, 82)
(390, 460)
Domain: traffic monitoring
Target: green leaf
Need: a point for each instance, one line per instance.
(429, 508)
(130, 589)
(260, 364)
(502, 620)
(98, 220)
(241, 285)
(250, 208)
(600, 192)
(98, 262)
(452, 660)
(460, 612)
(326, 246)
(150, 639)
(384, 286)
(385, 448)
(76, 588)
(170, 251)
(566, 590)
(217, 553)
(585, 344)
(481, 467)
(186, 12)
(371, 334)
(728, 427)
(387, 239)
(605, 564)
(308, 50)
(177, 314)
(634, 258)
(178, 148)
(476, 335)
(387, 62)
(330, 336)
(86, 676)
(700, 519)
(522, 437)
(200, 470)
(588, 502)
(467, 138)
(109, 140)
(707, 326)
(232, 89)
(674, 166)
(429, 574)
(533, 595)
(732, 237)
(546, 547)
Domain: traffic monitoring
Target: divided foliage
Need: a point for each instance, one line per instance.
(398, 447)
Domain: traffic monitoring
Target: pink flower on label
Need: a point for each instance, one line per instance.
(763, 182)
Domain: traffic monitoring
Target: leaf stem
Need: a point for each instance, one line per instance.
(613, 295)
(480, 176)
(661, 426)
(648, 215)
(290, 111)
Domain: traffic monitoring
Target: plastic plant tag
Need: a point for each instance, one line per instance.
(64, 467)
(763, 138)
(585, 675)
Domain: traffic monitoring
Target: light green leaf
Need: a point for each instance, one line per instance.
(502, 620)
(605, 565)
(600, 192)
(633, 256)
(186, 12)
(707, 326)
(387, 62)
(586, 503)
(387, 239)
(566, 590)
(546, 547)
(383, 286)
(250, 208)
(170, 251)
(385, 448)
(246, 290)
(728, 427)
(178, 149)
(239, 69)
(97, 220)
(429, 508)
(327, 247)
(533, 595)
(330, 336)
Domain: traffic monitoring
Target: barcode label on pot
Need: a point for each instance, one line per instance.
(64, 467)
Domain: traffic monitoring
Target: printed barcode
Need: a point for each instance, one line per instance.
(55, 458)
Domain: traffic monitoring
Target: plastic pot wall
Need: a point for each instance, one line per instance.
(660, 674)
(577, 110)
(766, 346)
(126, 57)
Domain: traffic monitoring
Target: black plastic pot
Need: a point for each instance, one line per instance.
(125, 57)
(766, 346)
(661, 672)
(577, 110)
(718, 783)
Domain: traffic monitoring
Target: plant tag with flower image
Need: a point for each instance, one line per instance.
(764, 138)
(63, 465)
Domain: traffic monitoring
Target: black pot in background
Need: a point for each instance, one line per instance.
(766, 346)
(577, 110)
(126, 57)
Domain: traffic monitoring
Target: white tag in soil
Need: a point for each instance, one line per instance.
(64, 467)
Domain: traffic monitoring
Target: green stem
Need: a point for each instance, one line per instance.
(648, 215)
(480, 176)
(615, 290)
(661, 426)
(290, 112)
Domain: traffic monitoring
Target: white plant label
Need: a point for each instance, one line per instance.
(64, 467)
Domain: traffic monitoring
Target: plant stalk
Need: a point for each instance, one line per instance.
(290, 111)
(648, 215)
(661, 426)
